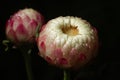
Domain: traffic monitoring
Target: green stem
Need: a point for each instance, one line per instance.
(27, 59)
(66, 75)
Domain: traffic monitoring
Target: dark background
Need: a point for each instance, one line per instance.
(102, 14)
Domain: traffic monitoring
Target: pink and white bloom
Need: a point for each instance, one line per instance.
(21, 27)
(68, 42)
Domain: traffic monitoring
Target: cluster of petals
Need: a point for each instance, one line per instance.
(21, 27)
(67, 42)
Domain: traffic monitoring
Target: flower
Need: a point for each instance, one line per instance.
(67, 42)
(21, 27)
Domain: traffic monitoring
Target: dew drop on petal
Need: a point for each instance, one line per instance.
(88, 46)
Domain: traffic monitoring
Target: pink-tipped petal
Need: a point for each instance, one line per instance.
(70, 42)
(24, 24)
(43, 46)
(63, 61)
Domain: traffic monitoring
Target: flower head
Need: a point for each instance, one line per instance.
(67, 42)
(21, 27)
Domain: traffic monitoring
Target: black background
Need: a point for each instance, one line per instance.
(102, 14)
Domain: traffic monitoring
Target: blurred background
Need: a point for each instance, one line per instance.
(102, 14)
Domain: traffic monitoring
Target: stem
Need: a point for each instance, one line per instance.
(66, 75)
(27, 59)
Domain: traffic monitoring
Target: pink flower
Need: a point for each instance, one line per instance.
(21, 27)
(68, 42)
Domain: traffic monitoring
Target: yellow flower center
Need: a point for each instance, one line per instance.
(71, 31)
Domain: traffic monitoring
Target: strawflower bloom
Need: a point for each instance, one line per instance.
(21, 27)
(67, 42)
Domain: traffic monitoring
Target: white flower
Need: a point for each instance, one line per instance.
(68, 42)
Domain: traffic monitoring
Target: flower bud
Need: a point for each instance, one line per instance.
(21, 27)
(67, 42)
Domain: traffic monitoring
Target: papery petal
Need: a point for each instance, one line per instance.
(69, 42)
